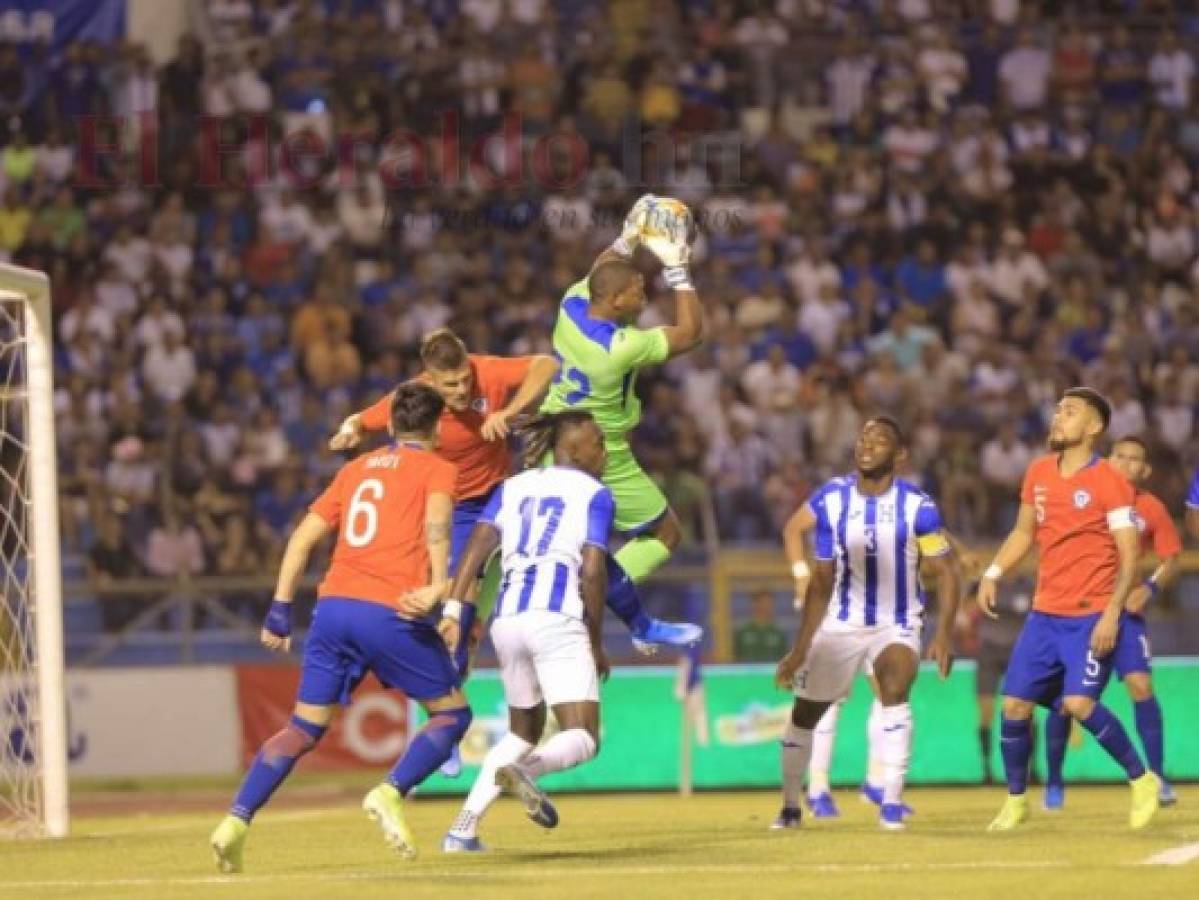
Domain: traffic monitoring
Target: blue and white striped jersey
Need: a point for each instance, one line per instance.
(876, 543)
(545, 517)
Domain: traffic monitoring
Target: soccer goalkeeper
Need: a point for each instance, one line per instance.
(601, 350)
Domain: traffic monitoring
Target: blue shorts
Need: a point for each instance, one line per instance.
(349, 638)
(1132, 647)
(466, 515)
(1052, 658)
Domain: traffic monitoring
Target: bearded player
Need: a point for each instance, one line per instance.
(390, 510)
(865, 607)
(1131, 660)
(1078, 510)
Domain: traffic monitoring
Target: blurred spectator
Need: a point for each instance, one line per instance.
(759, 639)
(169, 369)
(174, 548)
(112, 558)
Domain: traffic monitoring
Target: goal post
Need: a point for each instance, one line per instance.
(33, 747)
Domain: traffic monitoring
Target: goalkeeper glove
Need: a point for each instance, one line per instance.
(278, 619)
(630, 232)
(674, 252)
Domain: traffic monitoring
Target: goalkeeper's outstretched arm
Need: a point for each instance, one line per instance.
(690, 328)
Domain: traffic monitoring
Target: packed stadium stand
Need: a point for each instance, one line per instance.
(950, 223)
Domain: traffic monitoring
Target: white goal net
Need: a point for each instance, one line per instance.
(33, 798)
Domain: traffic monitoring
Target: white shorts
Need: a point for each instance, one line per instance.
(544, 656)
(840, 650)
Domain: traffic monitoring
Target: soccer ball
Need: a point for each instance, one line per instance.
(665, 218)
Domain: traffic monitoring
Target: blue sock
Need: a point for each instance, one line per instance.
(1057, 733)
(1114, 739)
(274, 762)
(623, 600)
(462, 651)
(1015, 744)
(1149, 727)
(430, 747)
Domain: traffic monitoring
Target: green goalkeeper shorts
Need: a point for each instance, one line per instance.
(640, 503)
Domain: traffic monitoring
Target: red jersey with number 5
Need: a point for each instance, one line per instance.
(377, 504)
(1075, 517)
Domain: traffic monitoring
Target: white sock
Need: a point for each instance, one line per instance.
(484, 792)
(823, 740)
(564, 750)
(874, 731)
(796, 753)
(895, 749)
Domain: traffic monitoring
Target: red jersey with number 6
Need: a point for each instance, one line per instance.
(1075, 518)
(377, 503)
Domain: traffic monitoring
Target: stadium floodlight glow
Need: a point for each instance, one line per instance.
(33, 739)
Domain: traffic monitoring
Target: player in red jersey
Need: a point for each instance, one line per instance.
(390, 510)
(1131, 660)
(1078, 511)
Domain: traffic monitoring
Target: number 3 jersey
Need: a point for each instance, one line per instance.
(599, 361)
(545, 518)
(876, 543)
(377, 503)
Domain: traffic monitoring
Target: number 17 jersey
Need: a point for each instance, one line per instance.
(599, 361)
(545, 518)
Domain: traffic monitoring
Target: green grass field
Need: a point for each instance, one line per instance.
(629, 846)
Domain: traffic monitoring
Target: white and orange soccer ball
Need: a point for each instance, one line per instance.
(664, 218)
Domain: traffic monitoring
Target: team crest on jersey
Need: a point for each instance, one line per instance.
(1081, 499)
(479, 404)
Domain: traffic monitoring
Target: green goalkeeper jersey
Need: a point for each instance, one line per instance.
(599, 364)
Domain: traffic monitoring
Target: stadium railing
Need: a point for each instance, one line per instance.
(191, 619)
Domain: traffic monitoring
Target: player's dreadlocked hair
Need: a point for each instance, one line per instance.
(539, 434)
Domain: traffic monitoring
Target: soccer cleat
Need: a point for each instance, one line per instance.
(514, 780)
(788, 818)
(1165, 794)
(674, 634)
(1013, 813)
(228, 841)
(385, 806)
(891, 816)
(1055, 797)
(1144, 800)
(451, 843)
(873, 794)
(452, 767)
(823, 806)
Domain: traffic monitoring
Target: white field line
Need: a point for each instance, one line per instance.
(1175, 856)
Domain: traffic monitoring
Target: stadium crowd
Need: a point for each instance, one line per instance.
(950, 222)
